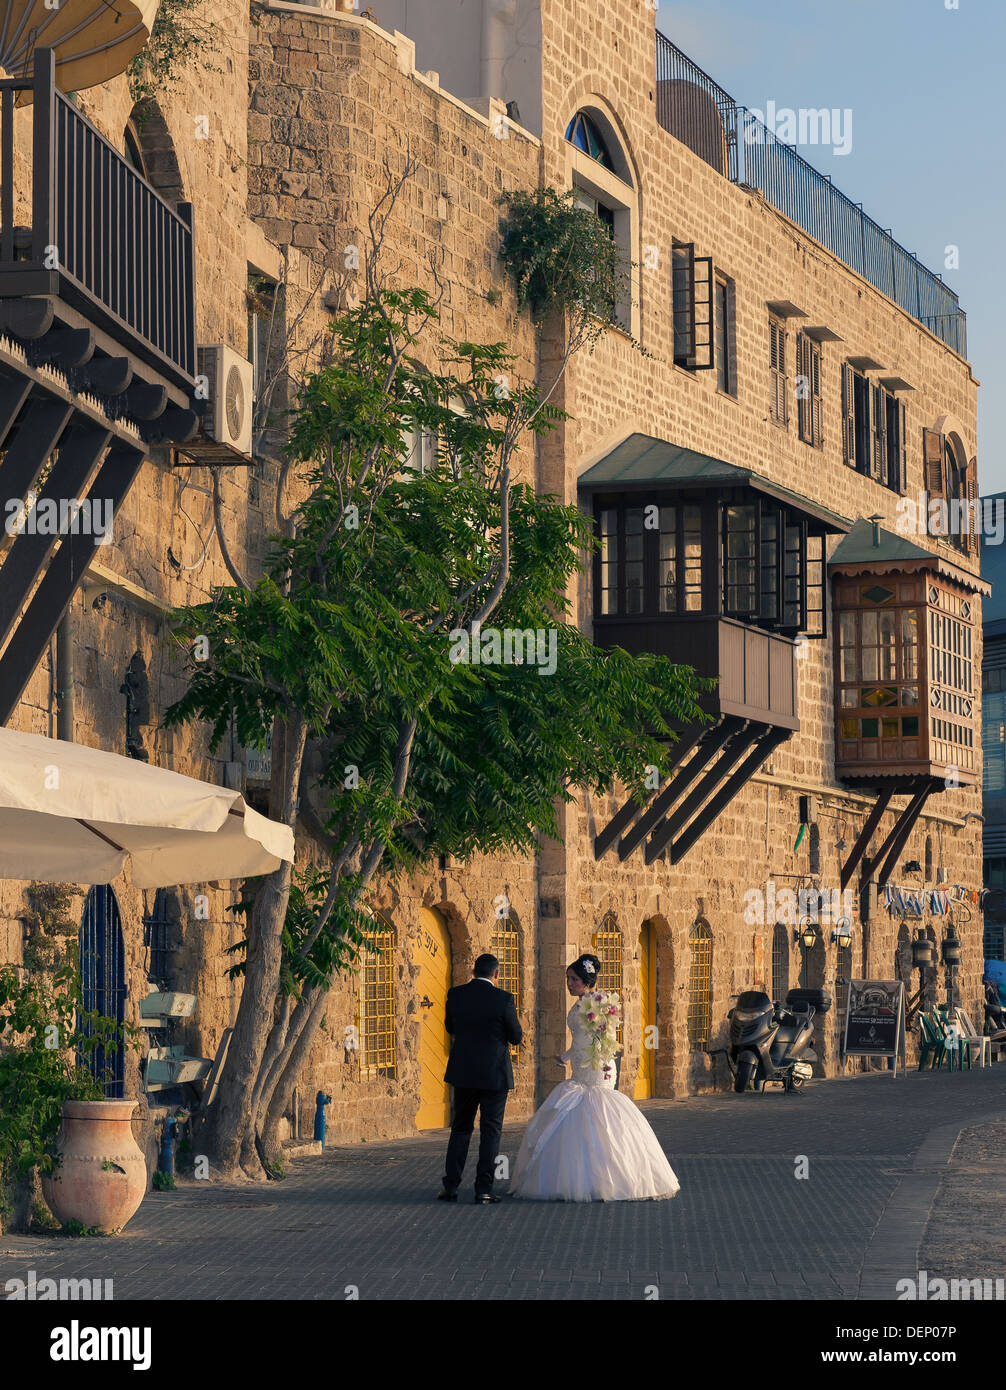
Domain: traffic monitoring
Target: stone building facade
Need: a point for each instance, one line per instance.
(281, 150)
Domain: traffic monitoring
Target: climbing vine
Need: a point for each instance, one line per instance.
(177, 41)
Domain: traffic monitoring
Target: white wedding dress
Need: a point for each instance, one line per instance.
(588, 1142)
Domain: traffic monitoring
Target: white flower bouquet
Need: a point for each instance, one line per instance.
(601, 1011)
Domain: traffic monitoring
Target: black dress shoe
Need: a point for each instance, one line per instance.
(486, 1199)
(444, 1196)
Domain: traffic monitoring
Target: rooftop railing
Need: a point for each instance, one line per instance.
(737, 143)
(100, 237)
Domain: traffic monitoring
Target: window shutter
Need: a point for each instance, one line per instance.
(703, 290)
(933, 447)
(803, 389)
(816, 403)
(683, 302)
(848, 417)
(902, 449)
(973, 520)
(878, 454)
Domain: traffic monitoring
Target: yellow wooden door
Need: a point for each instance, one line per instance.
(432, 953)
(647, 1010)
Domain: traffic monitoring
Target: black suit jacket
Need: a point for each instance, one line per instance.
(482, 1021)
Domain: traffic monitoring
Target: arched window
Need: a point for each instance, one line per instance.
(131, 149)
(103, 983)
(780, 961)
(929, 859)
(957, 490)
(582, 132)
(607, 943)
(376, 1019)
(700, 983)
(505, 946)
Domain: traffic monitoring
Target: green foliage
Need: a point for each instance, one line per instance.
(562, 258)
(177, 41)
(163, 1182)
(353, 625)
(50, 931)
(75, 1228)
(45, 1036)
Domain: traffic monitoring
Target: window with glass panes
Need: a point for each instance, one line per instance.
(376, 1004)
(722, 335)
(700, 983)
(607, 945)
(505, 946)
(878, 671)
(951, 678)
(768, 577)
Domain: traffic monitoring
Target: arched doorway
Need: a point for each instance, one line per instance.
(103, 983)
(645, 1076)
(432, 953)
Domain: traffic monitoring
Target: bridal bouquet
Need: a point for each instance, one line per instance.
(601, 1012)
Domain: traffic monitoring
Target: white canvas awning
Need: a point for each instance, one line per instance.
(70, 814)
(94, 40)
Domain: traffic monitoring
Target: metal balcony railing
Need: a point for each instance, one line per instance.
(699, 113)
(100, 238)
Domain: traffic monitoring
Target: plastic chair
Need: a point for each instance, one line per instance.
(932, 1046)
(972, 1040)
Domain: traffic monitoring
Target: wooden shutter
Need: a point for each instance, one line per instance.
(777, 371)
(848, 416)
(703, 291)
(933, 448)
(902, 449)
(805, 389)
(816, 402)
(878, 450)
(971, 496)
(683, 302)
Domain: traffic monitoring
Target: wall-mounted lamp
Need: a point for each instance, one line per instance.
(913, 867)
(951, 949)
(842, 935)
(808, 934)
(922, 951)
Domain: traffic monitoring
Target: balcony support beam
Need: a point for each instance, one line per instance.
(903, 829)
(707, 749)
(62, 579)
(36, 435)
(734, 749)
(865, 836)
(78, 456)
(627, 813)
(766, 742)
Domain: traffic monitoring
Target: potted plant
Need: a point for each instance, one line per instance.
(54, 1119)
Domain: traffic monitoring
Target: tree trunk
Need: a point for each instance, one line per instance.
(278, 1103)
(227, 1128)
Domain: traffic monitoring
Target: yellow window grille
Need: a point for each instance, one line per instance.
(505, 946)
(607, 945)
(700, 984)
(376, 1018)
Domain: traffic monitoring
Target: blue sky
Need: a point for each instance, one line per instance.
(925, 85)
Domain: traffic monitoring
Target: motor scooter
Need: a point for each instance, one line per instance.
(770, 1041)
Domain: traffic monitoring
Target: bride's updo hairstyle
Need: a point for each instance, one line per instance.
(586, 968)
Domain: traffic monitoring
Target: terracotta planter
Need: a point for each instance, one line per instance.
(103, 1176)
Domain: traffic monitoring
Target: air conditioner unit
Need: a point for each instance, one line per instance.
(229, 396)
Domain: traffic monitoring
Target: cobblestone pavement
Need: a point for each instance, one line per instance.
(743, 1227)
(966, 1238)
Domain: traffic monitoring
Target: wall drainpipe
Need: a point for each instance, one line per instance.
(64, 676)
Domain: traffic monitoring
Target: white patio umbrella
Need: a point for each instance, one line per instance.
(94, 40)
(70, 814)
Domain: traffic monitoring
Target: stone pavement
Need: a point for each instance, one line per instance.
(743, 1227)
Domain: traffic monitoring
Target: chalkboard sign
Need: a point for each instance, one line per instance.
(875, 1020)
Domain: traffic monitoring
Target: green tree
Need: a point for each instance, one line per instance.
(353, 642)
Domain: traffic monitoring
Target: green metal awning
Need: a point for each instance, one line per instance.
(642, 462)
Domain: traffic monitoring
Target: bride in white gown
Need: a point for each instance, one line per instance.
(588, 1142)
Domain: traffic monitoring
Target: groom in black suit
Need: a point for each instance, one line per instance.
(482, 1021)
